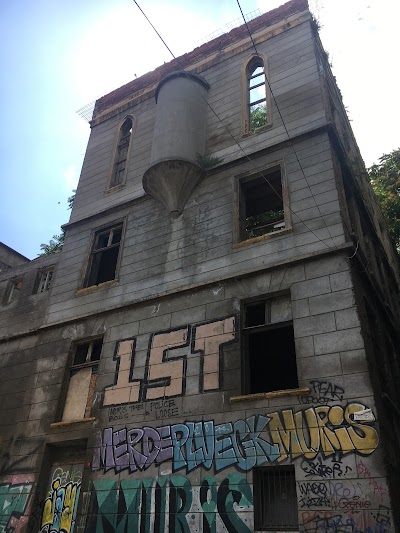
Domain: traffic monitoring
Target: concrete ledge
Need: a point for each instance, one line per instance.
(274, 394)
(72, 422)
(264, 237)
(92, 288)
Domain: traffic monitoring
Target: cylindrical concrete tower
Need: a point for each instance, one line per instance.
(179, 135)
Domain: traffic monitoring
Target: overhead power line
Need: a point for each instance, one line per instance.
(258, 170)
(284, 125)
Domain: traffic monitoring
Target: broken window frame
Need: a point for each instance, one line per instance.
(13, 290)
(270, 484)
(92, 361)
(44, 281)
(262, 224)
(271, 327)
(122, 153)
(93, 274)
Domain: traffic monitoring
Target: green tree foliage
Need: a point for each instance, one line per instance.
(258, 116)
(385, 180)
(56, 242)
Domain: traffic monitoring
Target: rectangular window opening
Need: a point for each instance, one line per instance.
(261, 205)
(275, 499)
(13, 290)
(270, 355)
(43, 281)
(82, 381)
(104, 257)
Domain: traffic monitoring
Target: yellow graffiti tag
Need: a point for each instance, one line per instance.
(321, 429)
(60, 507)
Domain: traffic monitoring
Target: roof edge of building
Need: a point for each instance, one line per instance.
(155, 76)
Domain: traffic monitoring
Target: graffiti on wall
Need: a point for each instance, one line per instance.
(167, 360)
(163, 408)
(287, 434)
(60, 506)
(15, 492)
(171, 504)
(377, 521)
(322, 392)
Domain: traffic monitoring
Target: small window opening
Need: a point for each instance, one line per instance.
(257, 95)
(82, 381)
(270, 355)
(261, 205)
(104, 256)
(43, 281)
(275, 499)
(13, 291)
(122, 153)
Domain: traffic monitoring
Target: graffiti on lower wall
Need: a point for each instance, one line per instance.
(171, 503)
(244, 444)
(60, 506)
(165, 371)
(376, 521)
(15, 493)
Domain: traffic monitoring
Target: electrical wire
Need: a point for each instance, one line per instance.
(258, 170)
(284, 125)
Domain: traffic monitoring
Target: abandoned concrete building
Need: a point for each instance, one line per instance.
(215, 347)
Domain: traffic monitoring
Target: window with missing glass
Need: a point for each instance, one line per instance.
(13, 290)
(43, 281)
(82, 380)
(256, 95)
(262, 208)
(122, 153)
(275, 499)
(269, 354)
(104, 257)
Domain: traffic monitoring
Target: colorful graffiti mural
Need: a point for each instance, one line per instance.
(287, 435)
(15, 492)
(171, 504)
(60, 507)
(165, 373)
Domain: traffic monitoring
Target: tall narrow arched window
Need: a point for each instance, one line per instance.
(122, 152)
(257, 110)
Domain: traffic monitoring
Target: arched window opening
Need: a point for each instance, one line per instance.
(121, 156)
(257, 94)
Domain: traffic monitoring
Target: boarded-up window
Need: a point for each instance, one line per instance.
(269, 349)
(261, 207)
(82, 381)
(275, 499)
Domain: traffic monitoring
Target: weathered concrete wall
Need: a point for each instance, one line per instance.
(10, 258)
(340, 474)
(294, 79)
(160, 255)
(170, 443)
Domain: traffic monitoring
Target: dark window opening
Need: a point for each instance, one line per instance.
(275, 499)
(104, 259)
(122, 153)
(257, 95)
(261, 205)
(82, 381)
(270, 354)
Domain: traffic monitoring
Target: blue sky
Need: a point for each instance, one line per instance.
(57, 55)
